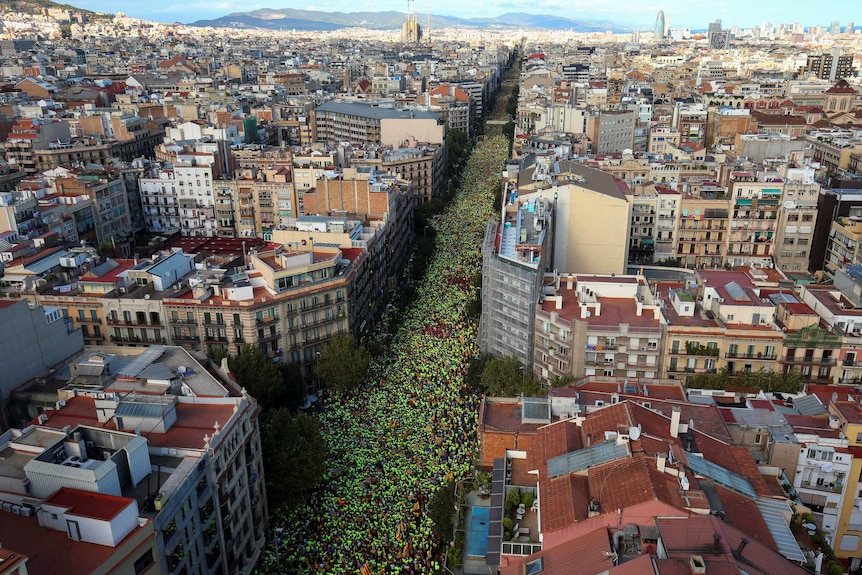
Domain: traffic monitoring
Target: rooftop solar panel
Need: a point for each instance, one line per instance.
(587, 457)
(721, 475)
(773, 511)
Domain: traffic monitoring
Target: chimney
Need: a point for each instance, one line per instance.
(716, 542)
(674, 422)
(741, 546)
(660, 461)
(569, 281)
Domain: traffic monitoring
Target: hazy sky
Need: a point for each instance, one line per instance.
(681, 13)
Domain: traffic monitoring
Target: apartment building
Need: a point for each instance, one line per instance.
(110, 202)
(659, 137)
(362, 123)
(703, 229)
(845, 411)
(829, 65)
(797, 215)
(592, 214)
(643, 230)
(611, 131)
(35, 340)
(516, 254)
(597, 325)
(181, 194)
(424, 166)
(722, 324)
(755, 206)
(189, 453)
(453, 104)
(843, 248)
(690, 120)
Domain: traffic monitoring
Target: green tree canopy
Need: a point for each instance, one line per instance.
(441, 510)
(343, 363)
(260, 376)
(508, 377)
(790, 382)
(295, 456)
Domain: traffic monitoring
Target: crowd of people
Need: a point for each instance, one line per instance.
(412, 428)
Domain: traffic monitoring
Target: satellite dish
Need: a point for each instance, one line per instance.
(634, 433)
(181, 369)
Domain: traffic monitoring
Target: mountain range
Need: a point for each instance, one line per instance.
(291, 19)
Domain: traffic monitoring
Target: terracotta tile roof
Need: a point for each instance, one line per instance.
(841, 87)
(742, 513)
(629, 481)
(590, 552)
(565, 500)
(685, 537)
(610, 418)
(553, 440)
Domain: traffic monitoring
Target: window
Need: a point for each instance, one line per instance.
(757, 438)
(537, 565)
(82, 314)
(143, 562)
(848, 543)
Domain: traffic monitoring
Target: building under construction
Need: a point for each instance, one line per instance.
(411, 31)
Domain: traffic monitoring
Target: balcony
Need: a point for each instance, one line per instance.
(187, 337)
(88, 320)
(810, 359)
(266, 320)
(825, 487)
(213, 322)
(758, 356)
(132, 323)
(270, 336)
(215, 338)
(185, 321)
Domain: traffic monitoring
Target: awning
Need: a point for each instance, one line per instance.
(647, 241)
(809, 498)
(741, 202)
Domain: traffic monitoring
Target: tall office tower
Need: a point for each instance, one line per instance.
(849, 28)
(717, 38)
(660, 25)
(835, 28)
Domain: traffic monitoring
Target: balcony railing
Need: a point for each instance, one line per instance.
(133, 323)
(761, 356)
(810, 359)
(187, 337)
(265, 320)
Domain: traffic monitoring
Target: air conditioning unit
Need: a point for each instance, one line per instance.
(26, 511)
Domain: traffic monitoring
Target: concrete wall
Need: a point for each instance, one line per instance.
(394, 131)
(591, 232)
(29, 346)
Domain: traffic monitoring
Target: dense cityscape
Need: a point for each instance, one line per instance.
(294, 292)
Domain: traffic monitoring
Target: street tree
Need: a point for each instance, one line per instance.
(508, 377)
(261, 377)
(344, 363)
(294, 456)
